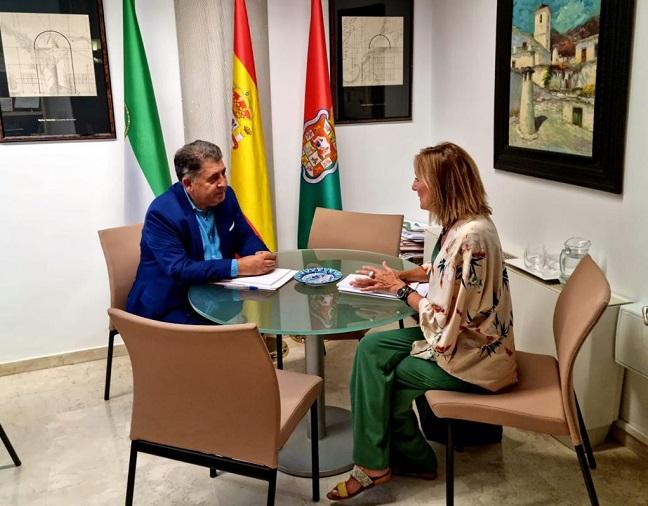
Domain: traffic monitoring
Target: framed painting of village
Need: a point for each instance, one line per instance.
(54, 75)
(561, 89)
(371, 59)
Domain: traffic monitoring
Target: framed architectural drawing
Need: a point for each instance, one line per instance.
(371, 59)
(54, 75)
(561, 89)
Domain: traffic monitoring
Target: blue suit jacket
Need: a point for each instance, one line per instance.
(172, 255)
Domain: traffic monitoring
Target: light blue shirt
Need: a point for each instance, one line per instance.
(211, 242)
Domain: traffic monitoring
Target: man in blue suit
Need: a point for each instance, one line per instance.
(192, 234)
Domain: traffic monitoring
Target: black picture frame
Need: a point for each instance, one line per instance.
(54, 70)
(602, 169)
(366, 100)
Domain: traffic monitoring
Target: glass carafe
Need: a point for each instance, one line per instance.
(575, 249)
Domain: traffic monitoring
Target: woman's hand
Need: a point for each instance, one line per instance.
(378, 280)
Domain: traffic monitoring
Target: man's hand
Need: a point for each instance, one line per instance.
(259, 263)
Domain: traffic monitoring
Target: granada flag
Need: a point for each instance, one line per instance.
(249, 174)
(320, 179)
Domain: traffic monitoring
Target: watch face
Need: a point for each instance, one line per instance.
(403, 292)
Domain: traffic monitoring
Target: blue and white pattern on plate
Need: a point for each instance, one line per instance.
(318, 276)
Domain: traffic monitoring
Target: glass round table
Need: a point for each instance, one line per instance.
(313, 312)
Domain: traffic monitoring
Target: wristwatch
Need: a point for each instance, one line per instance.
(404, 292)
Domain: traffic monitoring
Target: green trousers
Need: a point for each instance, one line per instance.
(384, 382)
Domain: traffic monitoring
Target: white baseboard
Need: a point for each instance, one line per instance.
(630, 437)
(69, 358)
(633, 431)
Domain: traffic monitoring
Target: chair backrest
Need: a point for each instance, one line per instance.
(209, 388)
(121, 248)
(580, 305)
(379, 233)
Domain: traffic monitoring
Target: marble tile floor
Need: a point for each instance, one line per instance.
(74, 448)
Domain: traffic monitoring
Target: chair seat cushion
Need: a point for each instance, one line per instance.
(297, 392)
(534, 403)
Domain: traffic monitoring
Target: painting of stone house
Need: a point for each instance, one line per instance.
(554, 50)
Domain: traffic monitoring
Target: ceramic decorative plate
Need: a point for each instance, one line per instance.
(318, 276)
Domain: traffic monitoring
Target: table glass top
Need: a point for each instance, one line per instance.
(300, 309)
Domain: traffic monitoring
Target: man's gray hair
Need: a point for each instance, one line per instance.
(189, 158)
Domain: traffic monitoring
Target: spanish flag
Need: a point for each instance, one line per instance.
(249, 174)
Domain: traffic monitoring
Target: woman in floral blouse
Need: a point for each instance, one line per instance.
(465, 338)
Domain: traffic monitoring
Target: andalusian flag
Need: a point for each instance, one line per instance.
(320, 179)
(249, 175)
(145, 147)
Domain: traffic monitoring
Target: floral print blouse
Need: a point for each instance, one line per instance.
(467, 318)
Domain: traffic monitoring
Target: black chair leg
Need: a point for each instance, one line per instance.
(401, 324)
(450, 466)
(585, 436)
(279, 352)
(111, 342)
(315, 452)
(130, 484)
(272, 487)
(10, 448)
(213, 472)
(589, 484)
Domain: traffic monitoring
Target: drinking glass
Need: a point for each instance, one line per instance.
(534, 257)
(552, 264)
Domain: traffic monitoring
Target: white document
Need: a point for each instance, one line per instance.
(271, 281)
(423, 289)
(48, 55)
(345, 286)
(372, 50)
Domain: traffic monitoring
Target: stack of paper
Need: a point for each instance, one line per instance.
(271, 281)
(412, 239)
(346, 287)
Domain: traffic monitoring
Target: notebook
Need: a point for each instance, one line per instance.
(271, 281)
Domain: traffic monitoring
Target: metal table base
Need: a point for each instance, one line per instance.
(334, 426)
(335, 449)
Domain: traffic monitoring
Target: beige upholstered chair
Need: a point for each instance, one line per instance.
(543, 400)
(9, 447)
(209, 395)
(121, 248)
(378, 233)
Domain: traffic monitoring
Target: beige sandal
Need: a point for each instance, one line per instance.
(341, 493)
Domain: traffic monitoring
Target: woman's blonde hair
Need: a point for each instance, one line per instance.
(453, 179)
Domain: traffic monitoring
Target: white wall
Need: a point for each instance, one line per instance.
(529, 209)
(375, 159)
(55, 196)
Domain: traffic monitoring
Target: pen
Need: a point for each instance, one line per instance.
(242, 287)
